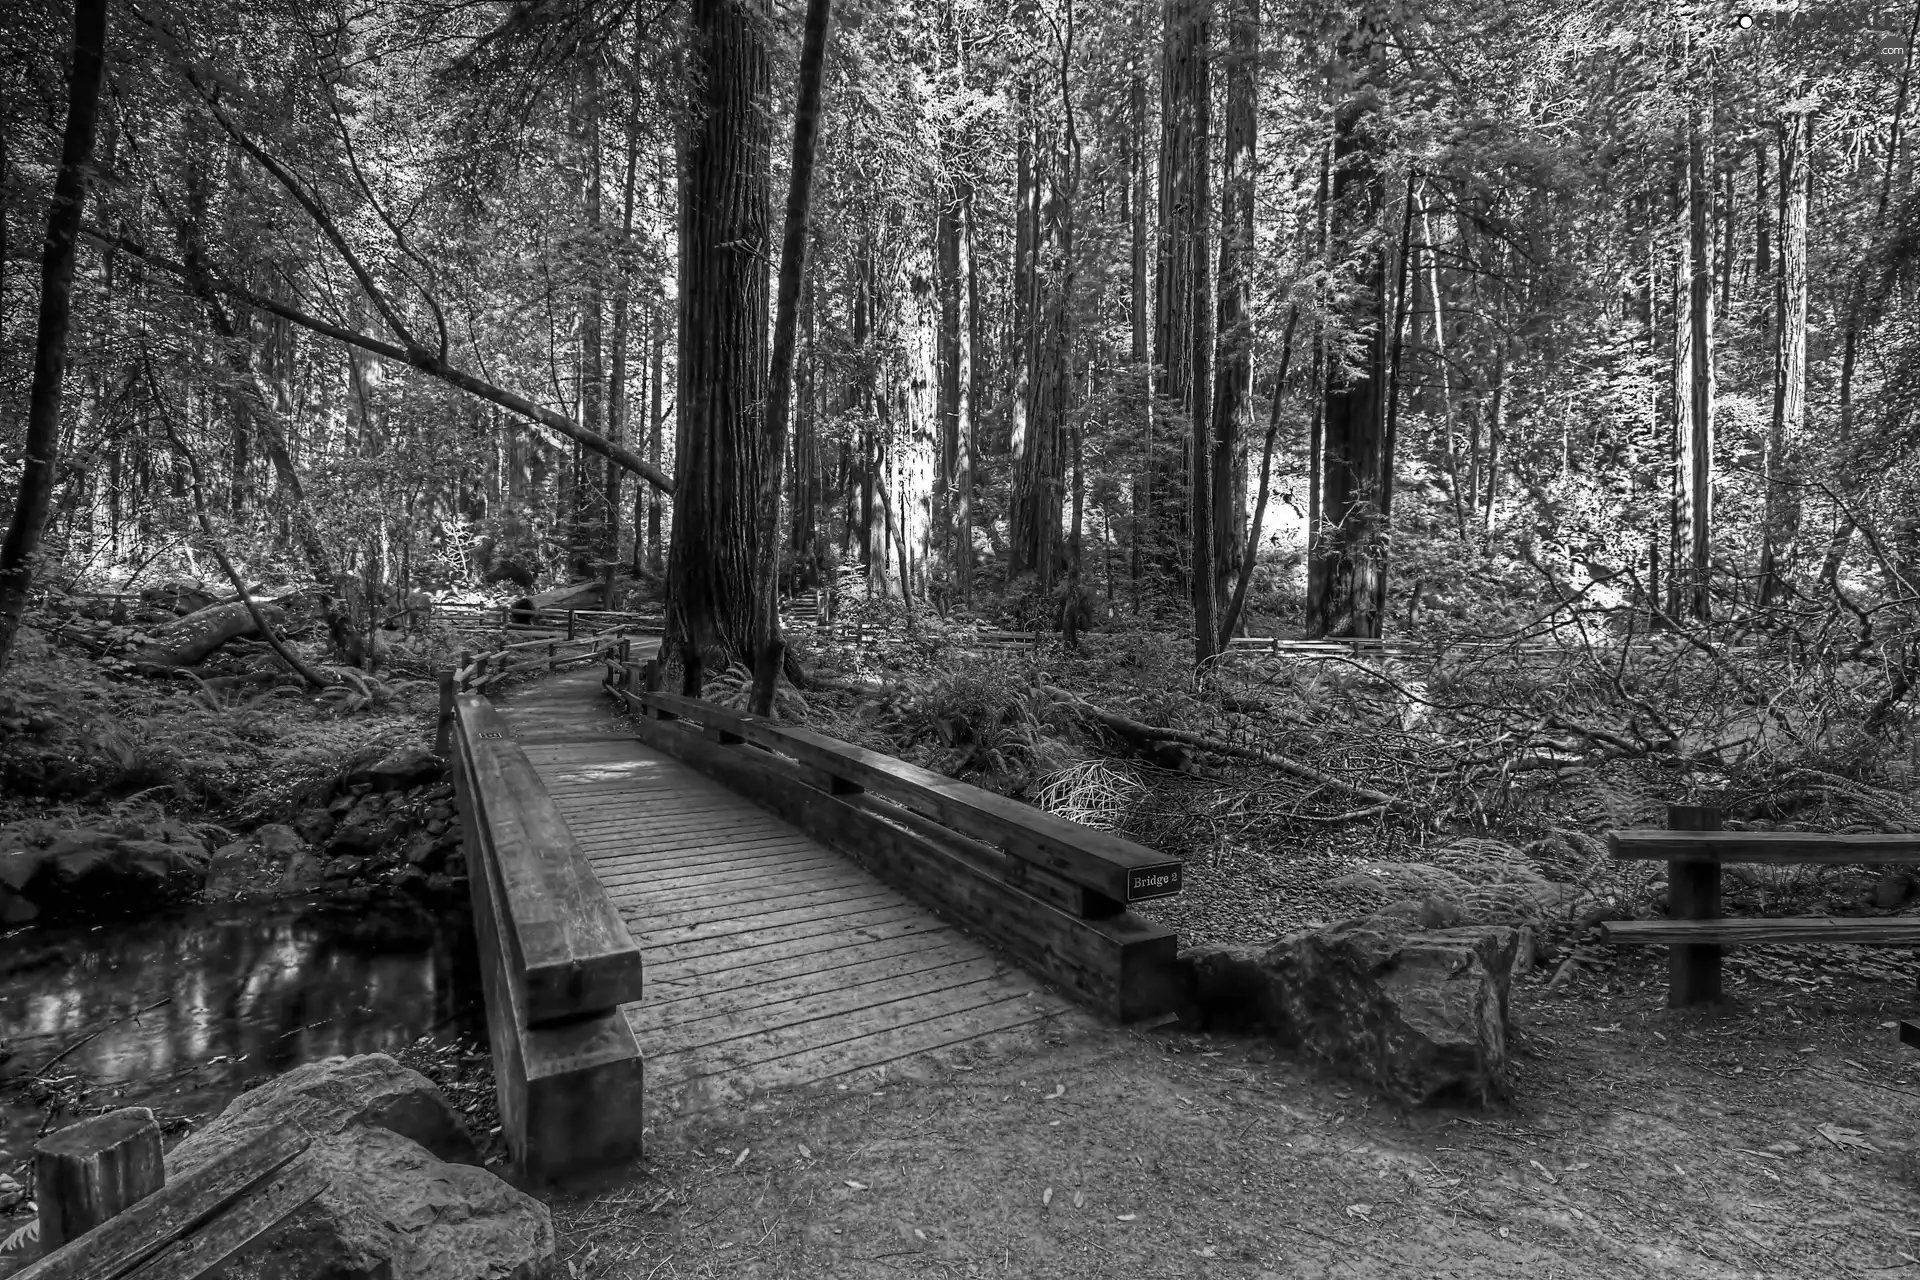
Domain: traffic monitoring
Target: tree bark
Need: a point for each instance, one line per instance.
(1780, 519)
(1354, 467)
(767, 645)
(1233, 394)
(725, 217)
(70, 182)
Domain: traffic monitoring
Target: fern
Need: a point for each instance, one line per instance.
(28, 1233)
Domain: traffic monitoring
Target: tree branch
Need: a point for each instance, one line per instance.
(417, 358)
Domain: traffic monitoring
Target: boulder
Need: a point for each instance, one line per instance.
(315, 826)
(228, 874)
(328, 1096)
(1419, 1013)
(400, 770)
(82, 873)
(424, 852)
(405, 1199)
(355, 840)
(278, 840)
(304, 873)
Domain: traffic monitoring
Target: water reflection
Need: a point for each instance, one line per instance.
(250, 990)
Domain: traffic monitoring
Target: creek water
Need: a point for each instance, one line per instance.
(183, 1010)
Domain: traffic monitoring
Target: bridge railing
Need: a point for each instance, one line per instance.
(1052, 894)
(557, 963)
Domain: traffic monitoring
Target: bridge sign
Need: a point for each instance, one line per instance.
(1160, 881)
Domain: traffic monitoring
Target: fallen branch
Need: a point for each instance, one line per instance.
(1139, 732)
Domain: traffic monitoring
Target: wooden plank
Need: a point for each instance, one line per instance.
(1114, 867)
(742, 896)
(154, 1222)
(1120, 965)
(854, 1045)
(694, 832)
(753, 986)
(87, 1172)
(725, 923)
(258, 1213)
(1891, 931)
(682, 852)
(718, 969)
(570, 1096)
(889, 912)
(730, 888)
(691, 877)
(785, 1007)
(570, 952)
(1778, 847)
(1055, 890)
(711, 824)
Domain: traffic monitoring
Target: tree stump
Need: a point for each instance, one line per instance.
(93, 1170)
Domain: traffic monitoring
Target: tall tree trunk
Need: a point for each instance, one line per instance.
(1694, 384)
(966, 400)
(1180, 291)
(767, 646)
(725, 217)
(56, 304)
(1233, 395)
(1780, 520)
(1355, 468)
(590, 534)
(656, 422)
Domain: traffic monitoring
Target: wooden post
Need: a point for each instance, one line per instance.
(550, 647)
(443, 730)
(90, 1171)
(1693, 893)
(461, 663)
(650, 678)
(569, 624)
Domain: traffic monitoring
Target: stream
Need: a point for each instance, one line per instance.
(181, 1011)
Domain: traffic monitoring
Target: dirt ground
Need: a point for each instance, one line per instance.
(1773, 1137)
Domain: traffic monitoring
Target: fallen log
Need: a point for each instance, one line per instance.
(1143, 736)
(189, 641)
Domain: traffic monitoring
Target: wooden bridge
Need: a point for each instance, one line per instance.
(678, 911)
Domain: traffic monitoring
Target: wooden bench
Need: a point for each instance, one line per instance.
(1695, 848)
(1051, 894)
(557, 962)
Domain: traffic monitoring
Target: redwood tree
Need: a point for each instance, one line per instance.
(56, 305)
(725, 217)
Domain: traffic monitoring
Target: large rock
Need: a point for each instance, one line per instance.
(405, 1199)
(1421, 1014)
(400, 770)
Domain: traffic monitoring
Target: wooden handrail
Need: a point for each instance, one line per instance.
(569, 953)
(1111, 866)
(1765, 846)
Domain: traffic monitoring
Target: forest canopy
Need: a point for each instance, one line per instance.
(1204, 315)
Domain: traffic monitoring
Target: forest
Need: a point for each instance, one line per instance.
(1372, 451)
(1330, 320)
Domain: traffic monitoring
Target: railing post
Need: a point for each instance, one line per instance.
(1693, 893)
(93, 1170)
(461, 663)
(550, 647)
(650, 676)
(569, 624)
(443, 731)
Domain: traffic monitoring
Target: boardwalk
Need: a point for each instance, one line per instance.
(770, 959)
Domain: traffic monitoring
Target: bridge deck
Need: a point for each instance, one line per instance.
(769, 958)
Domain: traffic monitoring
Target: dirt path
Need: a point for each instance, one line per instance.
(1641, 1143)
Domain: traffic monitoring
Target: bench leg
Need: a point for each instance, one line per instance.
(1693, 969)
